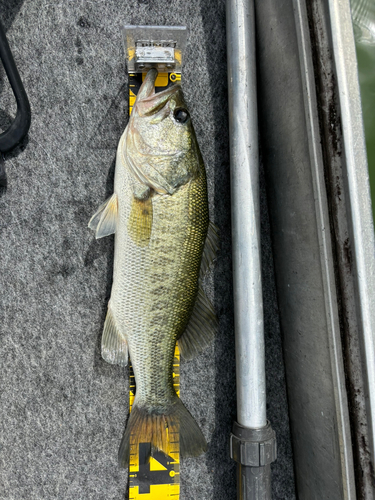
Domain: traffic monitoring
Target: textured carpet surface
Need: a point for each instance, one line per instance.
(62, 408)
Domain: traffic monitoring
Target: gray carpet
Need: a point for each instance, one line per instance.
(62, 408)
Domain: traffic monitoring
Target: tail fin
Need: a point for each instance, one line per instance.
(147, 426)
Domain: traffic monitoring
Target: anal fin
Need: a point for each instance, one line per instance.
(201, 328)
(114, 344)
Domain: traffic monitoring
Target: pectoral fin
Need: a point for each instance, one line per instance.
(114, 344)
(104, 221)
(140, 221)
(201, 328)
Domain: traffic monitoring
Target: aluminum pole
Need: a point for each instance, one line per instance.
(253, 443)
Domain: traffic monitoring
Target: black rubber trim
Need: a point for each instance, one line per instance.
(21, 124)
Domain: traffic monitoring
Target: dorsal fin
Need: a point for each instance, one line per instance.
(201, 328)
(210, 248)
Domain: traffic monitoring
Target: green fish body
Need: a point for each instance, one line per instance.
(159, 214)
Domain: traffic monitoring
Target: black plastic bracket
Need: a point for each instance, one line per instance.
(253, 447)
(254, 450)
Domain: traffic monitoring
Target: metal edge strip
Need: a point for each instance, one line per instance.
(322, 218)
(359, 199)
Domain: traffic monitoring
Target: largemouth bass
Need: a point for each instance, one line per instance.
(164, 244)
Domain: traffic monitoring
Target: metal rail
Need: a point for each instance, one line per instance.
(248, 302)
(252, 435)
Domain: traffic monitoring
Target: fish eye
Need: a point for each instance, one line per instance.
(181, 115)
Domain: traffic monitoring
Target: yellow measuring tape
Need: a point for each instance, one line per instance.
(159, 477)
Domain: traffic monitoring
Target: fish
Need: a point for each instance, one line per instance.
(164, 245)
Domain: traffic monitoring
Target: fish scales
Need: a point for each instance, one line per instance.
(159, 213)
(155, 315)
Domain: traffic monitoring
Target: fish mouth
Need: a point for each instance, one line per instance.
(156, 107)
(148, 101)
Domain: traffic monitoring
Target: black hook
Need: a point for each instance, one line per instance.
(20, 125)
